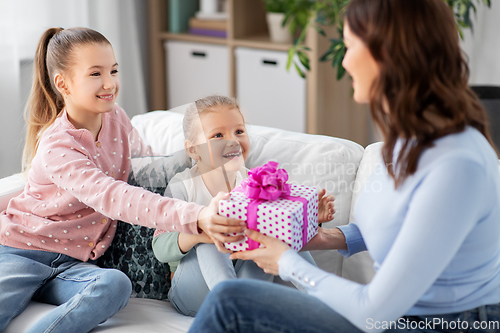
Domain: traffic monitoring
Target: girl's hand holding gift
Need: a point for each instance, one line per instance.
(325, 207)
(187, 241)
(215, 225)
(204, 238)
(326, 239)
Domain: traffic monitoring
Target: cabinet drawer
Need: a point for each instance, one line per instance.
(195, 70)
(268, 94)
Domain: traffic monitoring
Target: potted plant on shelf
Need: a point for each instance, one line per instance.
(279, 32)
(303, 14)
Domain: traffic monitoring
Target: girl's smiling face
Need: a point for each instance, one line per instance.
(225, 131)
(92, 83)
(360, 64)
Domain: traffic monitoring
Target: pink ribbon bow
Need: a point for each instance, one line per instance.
(266, 182)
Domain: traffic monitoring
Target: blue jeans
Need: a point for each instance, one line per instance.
(85, 294)
(203, 268)
(253, 306)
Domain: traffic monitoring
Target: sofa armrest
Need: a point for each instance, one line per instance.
(10, 187)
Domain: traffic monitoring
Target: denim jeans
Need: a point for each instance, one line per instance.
(85, 294)
(252, 306)
(203, 268)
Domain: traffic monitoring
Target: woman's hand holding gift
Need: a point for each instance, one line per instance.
(266, 257)
(325, 207)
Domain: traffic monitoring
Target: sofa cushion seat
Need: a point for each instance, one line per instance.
(140, 315)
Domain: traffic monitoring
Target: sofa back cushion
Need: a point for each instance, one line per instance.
(372, 158)
(10, 187)
(359, 267)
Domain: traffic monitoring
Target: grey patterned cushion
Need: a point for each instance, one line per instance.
(131, 250)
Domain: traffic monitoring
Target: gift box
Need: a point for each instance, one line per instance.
(273, 207)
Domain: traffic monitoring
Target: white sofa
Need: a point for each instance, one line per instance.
(340, 166)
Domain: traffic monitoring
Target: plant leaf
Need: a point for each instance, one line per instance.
(340, 71)
(301, 14)
(328, 55)
(320, 31)
(304, 60)
(299, 71)
(291, 53)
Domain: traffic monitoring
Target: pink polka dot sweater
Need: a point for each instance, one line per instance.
(77, 189)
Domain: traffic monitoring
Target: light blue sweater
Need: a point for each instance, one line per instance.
(435, 240)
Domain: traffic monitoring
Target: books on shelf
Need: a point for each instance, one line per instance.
(207, 24)
(208, 32)
(211, 28)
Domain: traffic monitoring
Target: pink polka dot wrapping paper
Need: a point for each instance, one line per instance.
(281, 218)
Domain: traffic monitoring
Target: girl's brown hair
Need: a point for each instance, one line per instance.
(53, 55)
(422, 91)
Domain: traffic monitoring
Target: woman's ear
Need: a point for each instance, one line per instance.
(191, 150)
(61, 86)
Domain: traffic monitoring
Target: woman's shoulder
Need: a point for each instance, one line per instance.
(465, 147)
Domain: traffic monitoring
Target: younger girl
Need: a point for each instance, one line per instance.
(216, 138)
(77, 151)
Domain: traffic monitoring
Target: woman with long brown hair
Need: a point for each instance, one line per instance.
(433, 226)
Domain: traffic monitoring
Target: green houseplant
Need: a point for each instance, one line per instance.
(279, 29)
(303, 14)
(276, 6)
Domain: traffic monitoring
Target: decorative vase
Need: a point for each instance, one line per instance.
(208, 6)
(277, 32)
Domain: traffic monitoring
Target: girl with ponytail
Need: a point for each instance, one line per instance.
(77, 159)
(44, 103)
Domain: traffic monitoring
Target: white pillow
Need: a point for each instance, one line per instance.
(162, 130)
(371, 159)
(10, 187)
(359, 267)
(311, 160)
